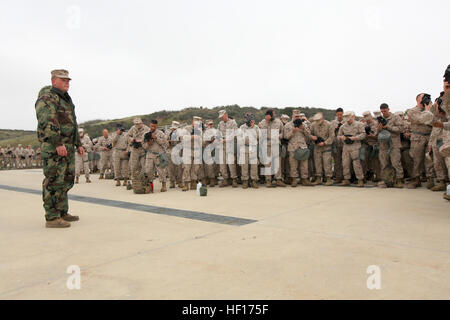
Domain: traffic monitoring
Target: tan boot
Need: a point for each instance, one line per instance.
(360, 184)
(446, 196)
(307, 183)
(118, 183)
(193, 185)
(280, 183)
(414, 183)
(317, 181)
(234, 183)
(88, 180)
(125, 180)
(57, 223)
(186, 186)
(172, 184)
(212, 182)
(269, 184)
(70, 218)
(338, 181)
(245, 184)
(77, 179)
(399, 184)
(101, 176)
(294, 182)
(205, 182)
(329, 182)
(345, 183)
(430, 183)
(255, 184)
(441, 186)
(224, 183)
(163, 187)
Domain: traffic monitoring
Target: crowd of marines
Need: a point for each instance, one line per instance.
(19, 157)
(383, 147)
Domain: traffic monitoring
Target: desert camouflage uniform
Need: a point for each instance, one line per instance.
(175, 171)
(372, 163)
(29, 155)
(209, 138)
(137, 155)
(350, 152)
(322, 155)
(191, 165)
(20, 155)
(105, 153)
(82, 162)
(227, 131)
(57, 126)
(395, 127)
(248, 155)
(120, 156)
(297, 140)
(266, 133)
(154, 149)
(337, 154)
(420, 134)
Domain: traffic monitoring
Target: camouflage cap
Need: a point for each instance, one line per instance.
(195, 118)
(285, 116)
(317, 117)
(209, 122)
(60, 73)
(296, 113)
(137, 121)
(80, 130)
(175, 124)
(222, 113)
(347, 115)
(367, 114)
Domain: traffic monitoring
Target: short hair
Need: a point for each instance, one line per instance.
(384, 106)
(153, 121)
(339, 110)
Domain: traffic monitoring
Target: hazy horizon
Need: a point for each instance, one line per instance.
(138, 57)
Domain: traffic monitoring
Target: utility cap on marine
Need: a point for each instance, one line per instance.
(222, 113)
(347, 115)
(367, 114)
(137, 121)
(60, 73)
(208, 122)
(175, 124)
(195, 118)
(80, 130)
(285, 116)
(296, 113)
(318, 116)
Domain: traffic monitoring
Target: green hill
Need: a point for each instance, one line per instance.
(94, 127)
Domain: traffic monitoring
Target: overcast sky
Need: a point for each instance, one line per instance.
(136, 57)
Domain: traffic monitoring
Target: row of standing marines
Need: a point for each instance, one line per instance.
(382, 146)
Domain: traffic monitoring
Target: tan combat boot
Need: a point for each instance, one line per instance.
(329, 182)
(338, 181)
(88, 180)
(186, 186)
(255, 184)
(414, 183)
(70, 218)
(212, 182)
(441, 186)
(280, 183)
(125, 180)
(345, 183)
(269, 183)
(294, 182)
(360, 184)
(234, 183)
(224, 183)
(172, 184)
(57, 223)
(101, 176)
(77, 179)
(399, 184)
(118, 183)
(205, 182)
(430, 183)
(193, 185)
(245, 184)
(163, 187)
(307, 183)
(317, 181)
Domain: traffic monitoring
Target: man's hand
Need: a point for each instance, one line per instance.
(353, 138)
(61, 150)
(342, 138)
(428, 106)
(81, 151)
(314, 138)
(438, 124)
(296, 129)
(321, 144)
(125, 153)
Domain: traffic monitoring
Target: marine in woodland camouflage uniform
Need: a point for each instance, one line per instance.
(57, 132)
